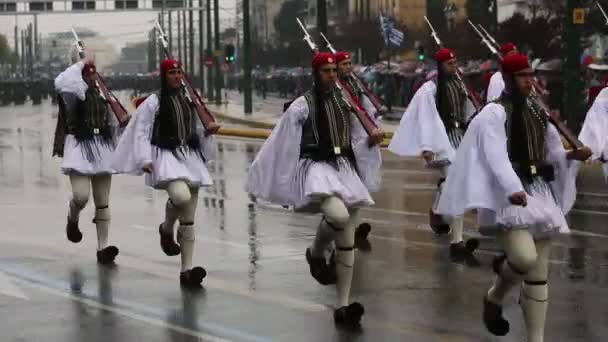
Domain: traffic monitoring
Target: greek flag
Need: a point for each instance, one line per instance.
(392, 36)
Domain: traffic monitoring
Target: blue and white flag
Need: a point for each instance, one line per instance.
(392, 36)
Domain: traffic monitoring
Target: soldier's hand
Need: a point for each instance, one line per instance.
(377, 136)
(212, 128)
(580, 154)
(428, 156)
(518, 198)
(148, 168)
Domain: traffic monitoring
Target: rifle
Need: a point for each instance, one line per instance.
(211, 126)
(375, 100)
(119, 110)
(472, 95)
(368, 124)
(537, 90)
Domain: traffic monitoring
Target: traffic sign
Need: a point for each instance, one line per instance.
(209, 61)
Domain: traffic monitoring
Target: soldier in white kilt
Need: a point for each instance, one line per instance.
(319, 157)
(433, 126)
(167, 141)
(85, 138)
(512, 166)
(595, 129)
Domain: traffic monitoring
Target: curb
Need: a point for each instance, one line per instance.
(248, 122)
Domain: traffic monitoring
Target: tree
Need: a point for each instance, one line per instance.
(6, 54)
(363, 34)
(478, 12)
(436, 15)
(289, 33)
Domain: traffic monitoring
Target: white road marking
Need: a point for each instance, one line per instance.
(9, 289)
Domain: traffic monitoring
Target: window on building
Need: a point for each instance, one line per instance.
(8, 7)
(41, 6)
(83, 5)
(168, 3)
(125, 4)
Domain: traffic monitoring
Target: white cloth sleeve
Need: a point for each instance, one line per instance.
(595, 128)
(134, 150)
(493, 142)
(496, 86)
(272, 175)
(421, 128)
(71, 81)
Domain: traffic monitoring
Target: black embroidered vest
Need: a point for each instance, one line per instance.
(175, 125)
(90, 117)
(326, 132)
(526, 139)
(451, 106)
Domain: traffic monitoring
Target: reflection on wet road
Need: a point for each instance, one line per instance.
(258, 287)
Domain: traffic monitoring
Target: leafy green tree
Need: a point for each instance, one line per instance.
(6, 54)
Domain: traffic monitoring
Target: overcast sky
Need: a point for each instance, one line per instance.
(118, 28)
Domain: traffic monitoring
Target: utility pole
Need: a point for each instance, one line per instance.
(179, 37)
(201, 50)
(218, 80)
(16, 47)
(191, 26)
(37, 54)
(247, 59)
(23, 53)
(30, 51)
(151, 51)
(162, 15)
(159, 49)
(322, 16)
(209, 54)
(574, 105)
(185, 40)
(170, 32)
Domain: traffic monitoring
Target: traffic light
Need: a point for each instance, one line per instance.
(421, 53)
(229, 53)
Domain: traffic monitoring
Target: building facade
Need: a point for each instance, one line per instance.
(263, 13)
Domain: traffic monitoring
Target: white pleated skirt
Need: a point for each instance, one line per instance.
(75, 157)
(189, 167)
(321, 180)
(542, 216)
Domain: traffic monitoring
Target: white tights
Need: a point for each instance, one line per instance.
(527, 260)
(101, 184)
(338, 224)
(182, 205)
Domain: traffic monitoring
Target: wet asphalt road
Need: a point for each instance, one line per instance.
(258, 286)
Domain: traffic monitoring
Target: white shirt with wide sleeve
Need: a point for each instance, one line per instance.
(280, 176)
(135, 150)
(481, 175)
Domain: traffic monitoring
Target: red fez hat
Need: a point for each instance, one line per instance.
(514, 63)
(323, 58)
(169, 64)
(444, 55)
(341, 56)
(89, 69)
(507, 47)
